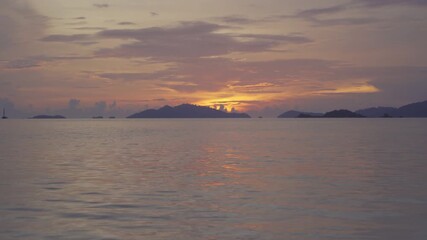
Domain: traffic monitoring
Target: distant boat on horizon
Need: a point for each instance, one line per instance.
(4, 114)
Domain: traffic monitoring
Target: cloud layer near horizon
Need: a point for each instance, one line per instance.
(360, 52)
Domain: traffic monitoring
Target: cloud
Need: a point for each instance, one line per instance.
(76, 109)
(235, 19)
(321, 17)
(101, 5)
(100, 107)
(87, 43)
(90, 28)
(248, 77)
(381, 3)
(295, 39)
(185, 28)
(76, 23)
(315, 12)
(398, 84)
(18, 21)
(80, 39)
(138, 76)
(23, 63)
(342, 21)
(73, 103)
(113, 105)
(38, 61)
(305, 81)
(65, 38)
(190, 40)
(126, 23)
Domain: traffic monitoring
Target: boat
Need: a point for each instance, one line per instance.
(4, 114)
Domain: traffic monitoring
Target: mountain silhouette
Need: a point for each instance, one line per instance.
(306, 115)
(375, 112)
(333, 114)
(294, 114)
(343, 113)
(418, 109)
(413, 110)
(187, 111)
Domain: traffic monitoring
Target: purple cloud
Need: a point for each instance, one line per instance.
(381, 3)
(190, 40)
(126, 23)
(65, 38)
(321, 17)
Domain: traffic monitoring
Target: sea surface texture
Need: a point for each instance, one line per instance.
(302, 179)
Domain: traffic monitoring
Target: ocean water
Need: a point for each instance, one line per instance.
(213, 179)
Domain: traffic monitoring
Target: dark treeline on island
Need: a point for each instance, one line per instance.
(187, 111)
(413, 110)
(48, 117)
(294, 114)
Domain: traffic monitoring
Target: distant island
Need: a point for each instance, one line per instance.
(376, 112)
(294, 114)
(343, 113)
(48, 117)
(413, 110)
(187, 111)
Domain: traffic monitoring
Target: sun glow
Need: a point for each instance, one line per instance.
(230, 104)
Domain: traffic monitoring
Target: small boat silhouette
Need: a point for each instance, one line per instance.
(4, 114)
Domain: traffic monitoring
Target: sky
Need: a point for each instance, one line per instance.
(84, 58)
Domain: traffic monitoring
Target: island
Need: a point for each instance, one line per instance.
(187, 111)
(343, 113)
(412, 110)
(377, 112)
(306, 115)
(298, 114)
(48, 117)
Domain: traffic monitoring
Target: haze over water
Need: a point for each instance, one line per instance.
(213, 179)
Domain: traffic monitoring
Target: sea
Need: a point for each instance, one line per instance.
(213, 179)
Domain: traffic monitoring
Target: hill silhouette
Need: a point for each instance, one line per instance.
(376, 112)
(413, 110)
(343, 113)
(418, 109)
(187, 111)
(333, 114)
(294, 114)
